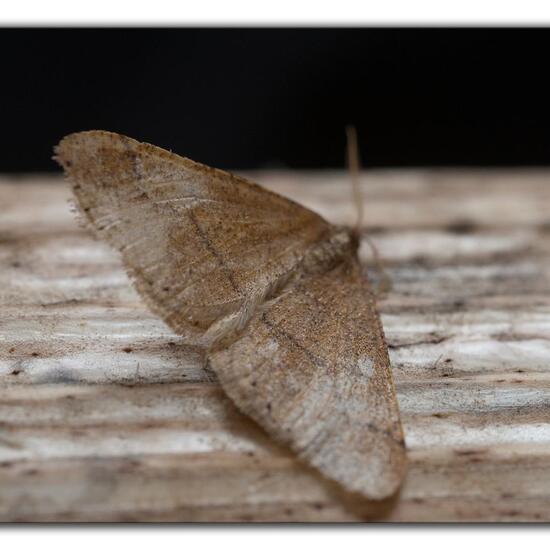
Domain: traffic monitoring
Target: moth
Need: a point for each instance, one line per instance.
(270, 290)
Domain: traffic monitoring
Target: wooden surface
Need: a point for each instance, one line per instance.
(105, 416)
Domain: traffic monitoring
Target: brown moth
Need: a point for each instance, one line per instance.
(269, 289)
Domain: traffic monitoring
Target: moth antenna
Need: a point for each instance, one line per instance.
(385, 284)
(354, 167)
(354, 164)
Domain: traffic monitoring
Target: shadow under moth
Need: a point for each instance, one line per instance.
(270, 290)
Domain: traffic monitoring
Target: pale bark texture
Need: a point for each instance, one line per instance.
(106, 416)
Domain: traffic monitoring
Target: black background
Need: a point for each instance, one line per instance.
(257, 98)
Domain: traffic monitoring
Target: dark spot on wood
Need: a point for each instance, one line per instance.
(459, 304)
(448, 360)
(31, 472)
(35, 354)
(268, 407)
(86, 209)
(68, 163)
(165, 288)
(288, 511)
(254, 383)
(15, 372)
(469, 452)
(440, 415)
(11, 350)
(127, 350)
(375, 229)
(250, 453)
(517, 381)
(318, 506)
(506, 495)
(520, 370)
(16, 264)
(445, 374)
(461, 227)
(435, 338)
(419, 259)
(418, 500)
(129, 465)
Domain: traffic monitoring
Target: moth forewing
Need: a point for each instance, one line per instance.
(313, 369)
(271, 290)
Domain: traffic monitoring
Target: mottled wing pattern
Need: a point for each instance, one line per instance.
(202, 246)
(273, 291)
(313, 370)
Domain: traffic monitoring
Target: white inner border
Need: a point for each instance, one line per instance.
(275, 12)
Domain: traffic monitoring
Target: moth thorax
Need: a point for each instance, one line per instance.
(341, 244)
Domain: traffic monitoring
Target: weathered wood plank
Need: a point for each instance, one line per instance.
(104, 415)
